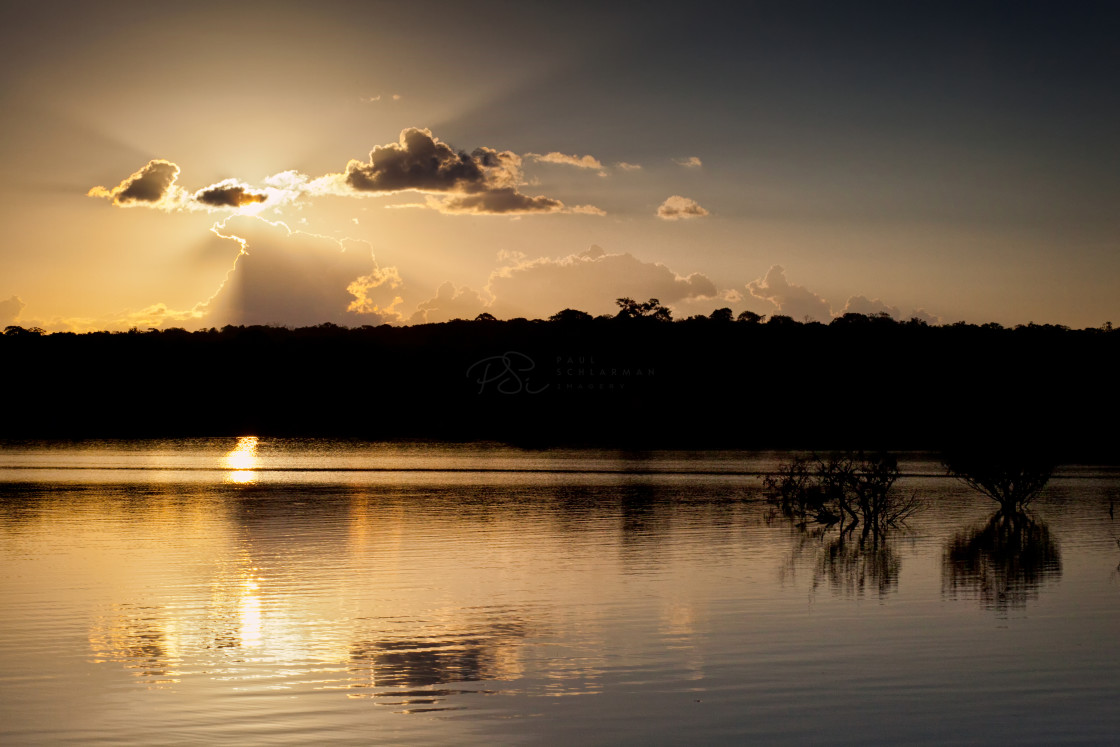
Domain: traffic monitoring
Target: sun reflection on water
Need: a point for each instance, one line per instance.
(241, 461)
(250, 613)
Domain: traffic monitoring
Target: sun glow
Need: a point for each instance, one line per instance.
(242, 461)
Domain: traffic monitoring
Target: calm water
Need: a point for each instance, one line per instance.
(304, 592)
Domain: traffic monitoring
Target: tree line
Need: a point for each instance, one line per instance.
(637, 378)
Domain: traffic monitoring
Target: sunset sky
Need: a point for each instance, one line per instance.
(201, 164)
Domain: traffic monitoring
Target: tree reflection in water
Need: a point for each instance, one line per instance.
(850, 563)
(845, 508)
(1003, 563)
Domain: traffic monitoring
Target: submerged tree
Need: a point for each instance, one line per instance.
(1011, 478)
(849, 489)
(827, 498)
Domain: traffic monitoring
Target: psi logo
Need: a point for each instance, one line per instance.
(507, 373)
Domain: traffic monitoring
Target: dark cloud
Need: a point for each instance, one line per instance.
(423, 163)
(10, 310)
(796, 301)
(229, 193)
(679, 208)
(482, 182)
(150, 185)
(501, 202)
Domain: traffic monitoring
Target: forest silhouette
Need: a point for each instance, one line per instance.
(636, 379)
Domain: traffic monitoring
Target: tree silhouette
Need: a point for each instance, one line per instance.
(1011, 478)
(628, 308)
(570, 315)
(750, 317)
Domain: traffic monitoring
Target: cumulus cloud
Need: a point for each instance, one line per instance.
(692, 162)
(153, 185)
(505, 202)
(925, 316)
(795, 301)
(285, 277)
(498, 202)
(482, 182)
(862, 305)
(580, 162)
(229, 193)
(449, 303)
(590, 281)
(680, 208)
(421, 162)
(10, 310)
(628, 166)
(485, 181)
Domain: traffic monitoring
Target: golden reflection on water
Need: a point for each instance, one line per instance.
(250, 613)
(242, 461)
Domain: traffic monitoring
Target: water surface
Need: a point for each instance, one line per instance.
(293, 592)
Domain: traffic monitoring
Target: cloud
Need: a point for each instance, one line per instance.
(421, 162)
(925, 316)
(590, 281)
(499, 202)
(154, 184)
(482, 182)
(680, 208)
(10, 310)
(290, 278)
(628, 166)
(692, 162)
(580, 162)
(795, 301)
(862, 305)
(228, 193)
(506, 202)
(449, 303)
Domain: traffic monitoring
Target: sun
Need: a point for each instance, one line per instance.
(242, 460)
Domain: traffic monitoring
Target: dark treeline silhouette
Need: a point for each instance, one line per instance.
(635, 379)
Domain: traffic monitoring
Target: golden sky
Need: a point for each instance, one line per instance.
(361, 163)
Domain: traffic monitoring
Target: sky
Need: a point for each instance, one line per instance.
(201, 164)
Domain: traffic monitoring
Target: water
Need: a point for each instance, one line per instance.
(296, 592)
